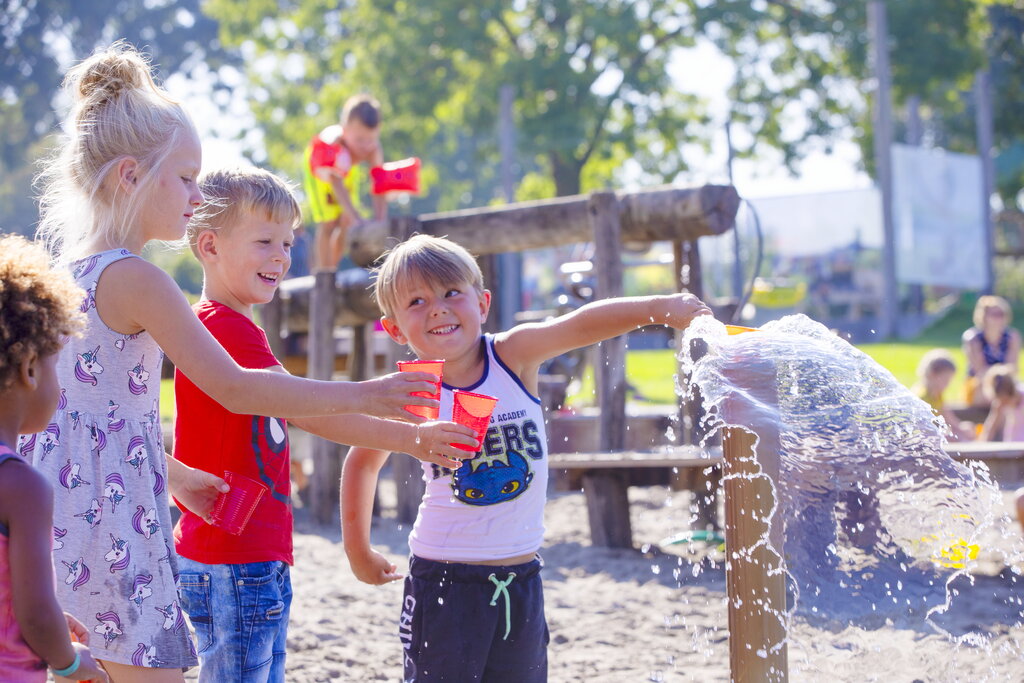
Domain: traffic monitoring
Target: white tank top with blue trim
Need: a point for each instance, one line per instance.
(492, 507)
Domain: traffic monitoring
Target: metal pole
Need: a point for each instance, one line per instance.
(510, 264)
(882, 113)
(985, 124)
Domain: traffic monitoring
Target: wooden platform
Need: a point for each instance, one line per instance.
(677, 456)
(1005, 459)
(606, 476)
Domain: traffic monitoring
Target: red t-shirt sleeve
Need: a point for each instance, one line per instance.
(245, 342)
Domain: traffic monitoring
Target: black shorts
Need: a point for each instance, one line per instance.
(466, 622)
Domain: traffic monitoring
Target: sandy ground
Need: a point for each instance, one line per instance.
(619, 615)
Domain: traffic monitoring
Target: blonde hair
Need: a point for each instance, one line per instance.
(38, 305)
(936, 360)
(118, 112)
(437, 261)
(990, 301)
(232, 194)
(1000, 381)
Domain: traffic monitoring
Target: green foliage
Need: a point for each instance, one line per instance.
(41, 39)
(591, 83)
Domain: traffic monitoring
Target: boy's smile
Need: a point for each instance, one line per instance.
(244, 264)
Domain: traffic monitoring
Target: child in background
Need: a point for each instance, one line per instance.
(236, 590)
(474, 606)
(38, 308)
(1006, 413)
(934, 373)
(335, 190)
(991, 341)
(126, 175)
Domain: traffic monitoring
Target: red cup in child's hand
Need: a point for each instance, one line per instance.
(434, 367)
(473, 411)
(232, 510)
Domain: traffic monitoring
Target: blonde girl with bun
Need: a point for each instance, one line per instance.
(125, 174)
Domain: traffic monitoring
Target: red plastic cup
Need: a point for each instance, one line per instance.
(233, 509)
(434, 367)
(473, 411)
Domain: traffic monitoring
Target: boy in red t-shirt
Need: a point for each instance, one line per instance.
(236, 589)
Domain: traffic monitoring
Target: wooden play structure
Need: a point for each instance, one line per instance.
(318, 304)
(756, 585)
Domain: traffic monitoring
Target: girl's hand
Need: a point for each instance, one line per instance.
(373, 568)
(89, 669)
(197, 491)
(79, 633)
(434, 443)
(681, 309)
(388, 396)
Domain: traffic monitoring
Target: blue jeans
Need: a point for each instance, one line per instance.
(240, 614)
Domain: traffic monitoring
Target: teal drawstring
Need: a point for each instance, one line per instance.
(501, 588)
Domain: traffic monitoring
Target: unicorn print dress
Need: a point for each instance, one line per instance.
(104, 455)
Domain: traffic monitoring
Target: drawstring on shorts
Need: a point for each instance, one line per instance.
(501, 588)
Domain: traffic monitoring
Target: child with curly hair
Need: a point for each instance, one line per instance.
(38, 309)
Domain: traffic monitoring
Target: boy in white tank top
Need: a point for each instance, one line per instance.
(474, 608)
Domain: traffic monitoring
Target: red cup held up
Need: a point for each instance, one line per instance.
(434, 367)
(473, 411)
(232, 510)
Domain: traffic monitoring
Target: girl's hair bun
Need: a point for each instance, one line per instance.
(108, 74)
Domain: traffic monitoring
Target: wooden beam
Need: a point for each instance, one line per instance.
(646, 216)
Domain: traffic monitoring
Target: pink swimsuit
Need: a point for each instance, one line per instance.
(17, 660)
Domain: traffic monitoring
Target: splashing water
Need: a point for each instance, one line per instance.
(881, 525)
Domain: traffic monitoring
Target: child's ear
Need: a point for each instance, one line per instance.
(206, 243)
(392, 329)
(127, 173)
(485, 304)
(28, 371)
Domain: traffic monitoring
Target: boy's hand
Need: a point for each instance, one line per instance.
(79, 633)
(681, 309)
(388, 396)
(434, 443)
(197, 491)
(373, 568)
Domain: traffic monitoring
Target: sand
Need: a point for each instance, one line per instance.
(620, 615)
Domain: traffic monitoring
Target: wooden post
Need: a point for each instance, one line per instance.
(755, 577)
(272, 319)
(606, 492)
(326, 460)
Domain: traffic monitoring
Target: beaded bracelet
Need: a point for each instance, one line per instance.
(64, 673)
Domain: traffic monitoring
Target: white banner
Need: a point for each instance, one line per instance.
(938, 217)
(819, 223)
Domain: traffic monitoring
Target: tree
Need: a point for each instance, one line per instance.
(41, 38)
(590, 78)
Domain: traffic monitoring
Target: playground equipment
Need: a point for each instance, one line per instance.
(316, 304)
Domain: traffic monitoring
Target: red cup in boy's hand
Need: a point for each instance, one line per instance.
(473, 411)
(434, 367)
(233, 509)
